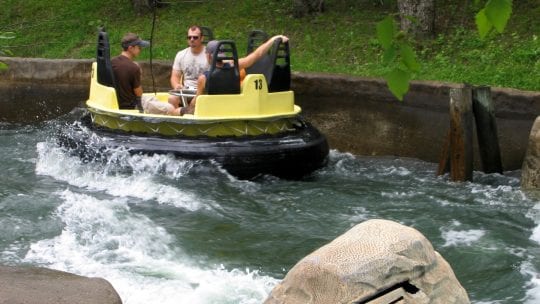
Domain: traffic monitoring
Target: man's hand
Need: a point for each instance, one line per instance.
(138, 104)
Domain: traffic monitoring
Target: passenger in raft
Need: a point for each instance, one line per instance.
(128, 74)
(243, 63)
(188, 64)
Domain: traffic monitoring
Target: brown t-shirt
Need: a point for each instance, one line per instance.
(127, 75)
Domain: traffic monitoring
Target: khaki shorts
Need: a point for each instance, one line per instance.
(152, 105)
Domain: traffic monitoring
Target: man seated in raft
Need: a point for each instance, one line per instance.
(243, 63)
(188, 64)
(128, 74)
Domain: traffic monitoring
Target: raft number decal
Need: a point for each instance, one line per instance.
(258, 84)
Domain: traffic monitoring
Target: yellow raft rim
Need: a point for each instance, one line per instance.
(253, 112)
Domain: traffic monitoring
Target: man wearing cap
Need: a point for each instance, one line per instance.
(127, 73)
(188, 64)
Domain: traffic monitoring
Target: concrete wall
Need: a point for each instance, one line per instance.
(358, 115)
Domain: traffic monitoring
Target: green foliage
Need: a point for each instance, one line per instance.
(465, 57)
(341, 40)
(402, 58)
(386, 31)
(494, 15)
(398, 55)
(398, 82)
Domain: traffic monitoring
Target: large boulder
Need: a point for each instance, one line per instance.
(530, 172)
(374, 260)
(32, 285)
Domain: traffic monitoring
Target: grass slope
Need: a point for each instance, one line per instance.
(342, 40)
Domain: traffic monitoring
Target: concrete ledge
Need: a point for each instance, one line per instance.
(358, 115)
(32, 285)
(361, 116)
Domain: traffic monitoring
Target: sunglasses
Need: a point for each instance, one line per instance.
(192, 37)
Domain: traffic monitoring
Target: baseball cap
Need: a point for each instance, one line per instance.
(131, 39)
(212, 46)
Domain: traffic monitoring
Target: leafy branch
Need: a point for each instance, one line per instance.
(495, 14)
(400, 56)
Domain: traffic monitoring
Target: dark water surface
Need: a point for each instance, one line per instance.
(164, 230)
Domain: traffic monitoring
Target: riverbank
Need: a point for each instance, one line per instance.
(358, 115)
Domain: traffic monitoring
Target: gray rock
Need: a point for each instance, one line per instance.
(373, 259)
(33, 285)
(530, 172)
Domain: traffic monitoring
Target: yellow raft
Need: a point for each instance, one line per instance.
(254, 130)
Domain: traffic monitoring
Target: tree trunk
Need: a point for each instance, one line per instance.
(307, 7)
(417, 17)
(142, 7)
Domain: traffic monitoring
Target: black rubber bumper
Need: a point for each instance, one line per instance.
(292, 155)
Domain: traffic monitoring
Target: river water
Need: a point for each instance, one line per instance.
(165, 230)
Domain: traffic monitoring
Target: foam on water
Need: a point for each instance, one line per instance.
(533, 288)
(342, 163)
(461, 237)
(528, 269)
(104, 233)
(103, 238)
(534, 214)
(140, 183)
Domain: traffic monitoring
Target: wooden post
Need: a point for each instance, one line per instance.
(444, 159)
(486, 128)
(461, 134)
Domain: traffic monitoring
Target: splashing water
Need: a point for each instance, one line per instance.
(166, 230)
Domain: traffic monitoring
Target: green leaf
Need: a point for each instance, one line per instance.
(482, 23)
(408, 57)
(3, 66)
(398, 82)
(386, 30)
(498, 12)
(389, 54)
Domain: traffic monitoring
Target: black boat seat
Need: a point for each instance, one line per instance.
(255, 39)
(207, 33)
(265, 65)
(105, 75)
(281, 76)
(223, 78)
(275, 65)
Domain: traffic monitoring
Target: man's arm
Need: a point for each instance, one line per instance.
(138, 91)
(250, 59)
(177, 79)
